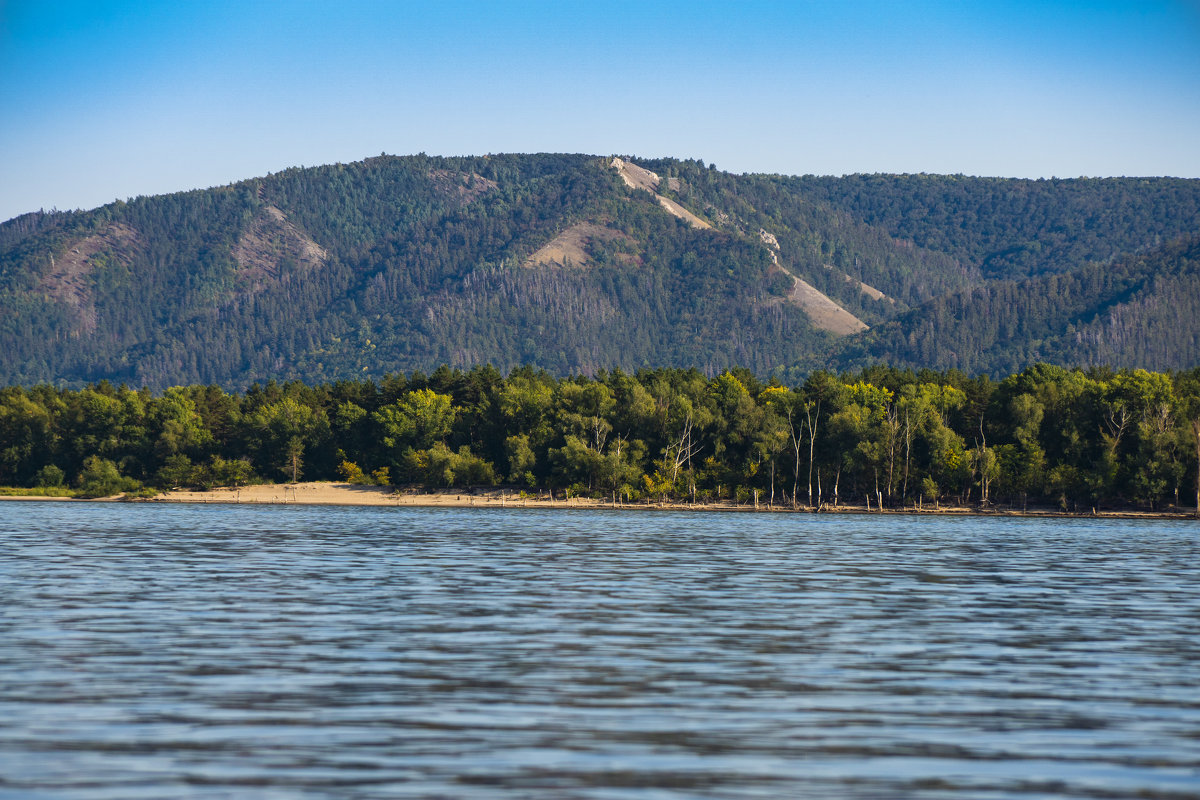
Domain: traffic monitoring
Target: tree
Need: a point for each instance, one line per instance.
(736, 418)
(683, 445)
(619, 470)
(775, 431)
(1158, 467)
(822, 392)
(1023, 462)
(583, 410)
(870, 423)
(525, 399)
(283, 429)
(411, 427)
(984, 464)
(352, 426)
(930, 448)
(176, 425)
(418, 420)
(176, 471)
(522, 461)
(576, 462)
(1188, 388)
(26, 436)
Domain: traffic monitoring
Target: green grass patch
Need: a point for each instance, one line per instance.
(38, 491)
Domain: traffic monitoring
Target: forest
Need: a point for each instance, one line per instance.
(1068, 439)
(396, 264)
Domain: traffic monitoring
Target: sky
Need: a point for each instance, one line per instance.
(111, 99)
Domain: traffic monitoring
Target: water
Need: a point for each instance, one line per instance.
(234, 652)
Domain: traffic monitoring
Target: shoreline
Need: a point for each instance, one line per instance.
(344, 494)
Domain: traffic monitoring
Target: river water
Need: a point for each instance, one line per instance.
(320, 652)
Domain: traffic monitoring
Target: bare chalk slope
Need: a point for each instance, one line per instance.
(822, 311)
(641, 178)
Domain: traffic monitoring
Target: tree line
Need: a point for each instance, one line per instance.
(888, 437)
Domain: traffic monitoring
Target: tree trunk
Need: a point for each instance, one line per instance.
(796, 462)
(814, 420)
(893, 431)
(771, 500)
(811, 445)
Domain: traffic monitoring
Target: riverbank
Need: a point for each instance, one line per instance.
(327, 493)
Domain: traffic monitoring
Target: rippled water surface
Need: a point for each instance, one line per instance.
(204, 651)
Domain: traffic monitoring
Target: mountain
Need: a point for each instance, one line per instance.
(577, 262)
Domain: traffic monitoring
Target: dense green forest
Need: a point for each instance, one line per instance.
(1138, 309)
(395, 264)
(1047, 435)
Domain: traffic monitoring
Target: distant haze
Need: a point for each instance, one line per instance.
(117, 99)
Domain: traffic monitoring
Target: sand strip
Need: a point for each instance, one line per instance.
(345, 494)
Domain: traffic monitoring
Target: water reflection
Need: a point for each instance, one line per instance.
(325, 652)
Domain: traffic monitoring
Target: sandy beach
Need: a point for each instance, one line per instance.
(328, 493)
(346, 494)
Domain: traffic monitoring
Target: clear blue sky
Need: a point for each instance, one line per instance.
(108, 99)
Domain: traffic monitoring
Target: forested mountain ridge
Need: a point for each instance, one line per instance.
(400, 263)
(1138, 309)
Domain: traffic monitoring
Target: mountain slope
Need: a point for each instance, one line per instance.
(1013, 229)
(576, 263)
(1138, 310)
(390, 264)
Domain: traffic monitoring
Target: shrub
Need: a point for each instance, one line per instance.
(176, 471)
(221, 472)
(101, 478)
(352, 473)
(49, 475)
(444, 467)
